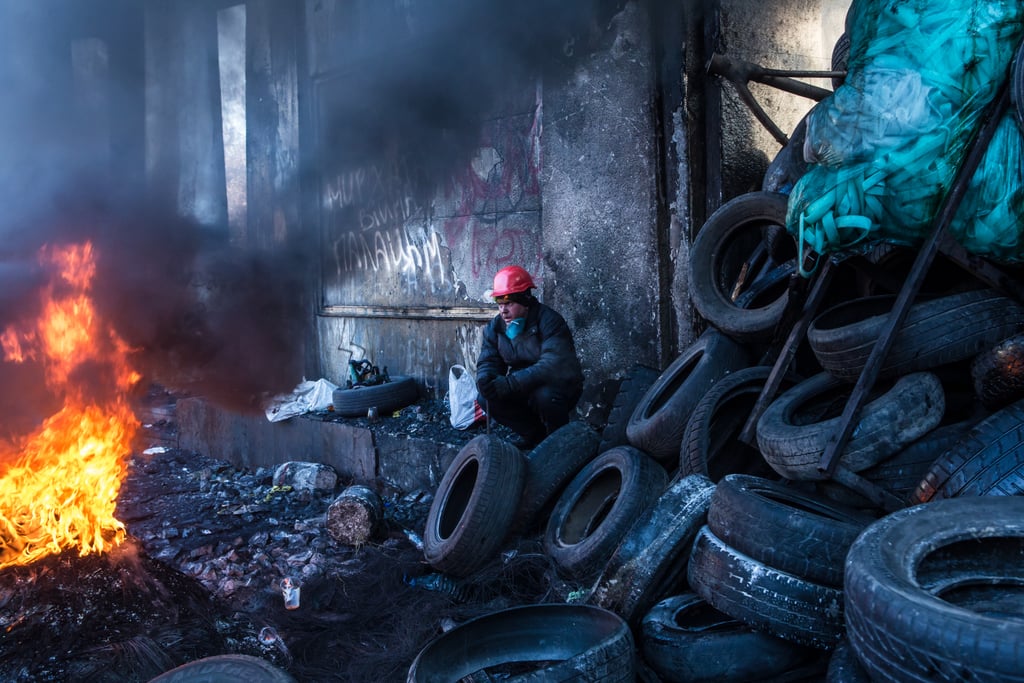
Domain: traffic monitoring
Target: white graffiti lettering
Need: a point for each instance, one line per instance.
(390, 251)
(382, 215)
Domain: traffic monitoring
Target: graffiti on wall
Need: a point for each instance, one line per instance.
(501, 181)
(376, 225)
(483, 217)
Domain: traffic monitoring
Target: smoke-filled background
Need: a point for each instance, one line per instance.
(446, 65)
(205, 315)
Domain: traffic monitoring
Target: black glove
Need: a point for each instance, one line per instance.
(503, 387)
(497, 388)
(486, 388)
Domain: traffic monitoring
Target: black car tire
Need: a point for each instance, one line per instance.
(902, 473)
(763, 597)
(226, 669)
(844, 667)
(936, 592)
(568, 643)
(597, 508)
(549, 469)
(650, 561)
(631, 391)
(798, 532)
(721, 251)
(998, 373)
(659, 420)
(936, 332)
(686, 640)
(711, 444)
(795, 427)
(987, 461)
(840, 58)
(386, 398)
(472, 511)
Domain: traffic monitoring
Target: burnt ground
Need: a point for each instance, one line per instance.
(200, 576)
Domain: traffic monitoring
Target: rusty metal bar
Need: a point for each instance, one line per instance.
(975, 151)
(788, 351)
(740, 73)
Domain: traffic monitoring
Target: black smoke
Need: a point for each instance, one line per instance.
(198, 314)
(418, 84)
(203, 315)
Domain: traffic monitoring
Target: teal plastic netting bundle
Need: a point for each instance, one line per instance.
(885, 146)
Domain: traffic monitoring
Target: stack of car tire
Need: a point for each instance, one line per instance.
(731, 559)
(735, 561)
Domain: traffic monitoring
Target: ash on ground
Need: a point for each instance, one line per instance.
(201, 575)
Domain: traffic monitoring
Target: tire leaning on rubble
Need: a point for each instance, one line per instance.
(650, 561)
(549, 469)
(686, 640)
(226, 669)
(474, 505)
(585, 643)
(936, 592)
(598, 507)
(794, 428)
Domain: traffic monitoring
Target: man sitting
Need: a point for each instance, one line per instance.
(528, 375)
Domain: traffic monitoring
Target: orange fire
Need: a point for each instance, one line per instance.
(61, 490)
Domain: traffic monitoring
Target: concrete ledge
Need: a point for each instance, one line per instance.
(356, 453)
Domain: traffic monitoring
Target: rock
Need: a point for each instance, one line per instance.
(306, 476)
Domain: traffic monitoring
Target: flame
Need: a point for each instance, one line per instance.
(61, 491)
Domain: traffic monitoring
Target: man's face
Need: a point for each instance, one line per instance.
(510, 310)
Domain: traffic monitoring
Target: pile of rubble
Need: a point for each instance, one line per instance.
(208, 548)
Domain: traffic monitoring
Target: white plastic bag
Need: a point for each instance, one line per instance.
(462, 398)
(306, 397)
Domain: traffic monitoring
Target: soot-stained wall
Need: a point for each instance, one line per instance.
(491, 138)
(600, 204)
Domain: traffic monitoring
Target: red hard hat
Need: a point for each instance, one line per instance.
(510, 280)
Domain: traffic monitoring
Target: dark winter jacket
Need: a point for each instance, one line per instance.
(543, 353)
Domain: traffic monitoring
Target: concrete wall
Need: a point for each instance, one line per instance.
(599, 190)
(786, 34)
(558, 178)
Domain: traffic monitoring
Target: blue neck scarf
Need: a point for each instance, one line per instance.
(513, 328)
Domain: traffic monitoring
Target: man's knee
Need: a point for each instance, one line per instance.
(554, 405)
(548, 395)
